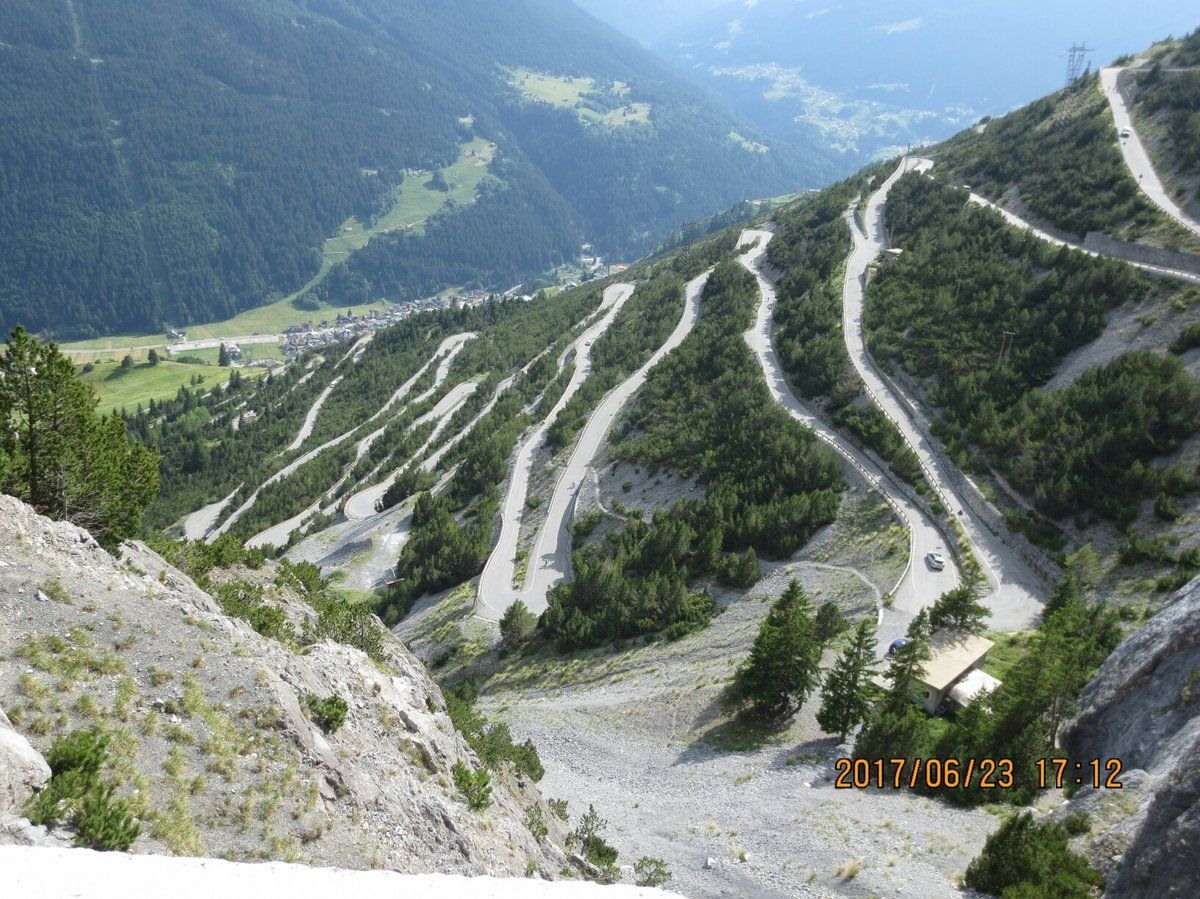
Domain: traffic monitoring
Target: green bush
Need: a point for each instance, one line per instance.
(588, 840)
(651, 872)
(244, 600)
(84, 751)
(535, 820)
(1027, 858)
(1188, 339)
(518, 625)
(476, 786)
(1077, 823)
(104, 822)
(77, 795)
(493, 743)
(329, 713)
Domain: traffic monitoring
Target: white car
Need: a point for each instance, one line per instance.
(1125, 132)
(936, 561)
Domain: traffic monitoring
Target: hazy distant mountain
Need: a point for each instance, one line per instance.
(874, 76)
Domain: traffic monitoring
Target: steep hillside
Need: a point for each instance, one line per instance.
(1142, 708)
(183, 163)
(1165, 99)
(213, 739)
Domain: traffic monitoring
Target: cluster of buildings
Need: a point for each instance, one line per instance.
(349, 325)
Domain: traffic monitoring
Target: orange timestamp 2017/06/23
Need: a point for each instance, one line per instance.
(985, 773)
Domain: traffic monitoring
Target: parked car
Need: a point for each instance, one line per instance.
(936, 561)
(896, 644)
(1125, 132)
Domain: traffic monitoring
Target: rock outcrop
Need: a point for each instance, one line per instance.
(210, 737)
(23, 771)
(1143, 707)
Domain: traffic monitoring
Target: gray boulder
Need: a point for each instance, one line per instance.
(23, 771)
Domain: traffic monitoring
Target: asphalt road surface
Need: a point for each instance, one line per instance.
(1016, 596)
(1136, 157)
(920, 584)
(496, 592)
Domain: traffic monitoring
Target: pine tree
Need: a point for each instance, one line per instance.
(59, 455)
(959, 609)
(152, 357)
(223, 359)
(830, 622)
(845, 695)
(518, 624)
(908, 662)
(783, 666)
(744, 572)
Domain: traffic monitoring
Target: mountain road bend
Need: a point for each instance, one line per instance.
(551, 561)
(1017, 593)
(446, 352)
(1137, 160)
(920, 584)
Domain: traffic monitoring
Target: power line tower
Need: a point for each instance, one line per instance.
(1077, 56)
(1006, 346)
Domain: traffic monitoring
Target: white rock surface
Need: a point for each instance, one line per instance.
(23, 771)
(42, 873)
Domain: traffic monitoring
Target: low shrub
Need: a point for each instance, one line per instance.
(78, 796)
(476, 786)
(329, 713)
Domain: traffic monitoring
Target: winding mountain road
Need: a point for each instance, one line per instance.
(1016, 597)
(310, 419)
(1018, 222)
(496, 591)
(447, 353)
(197, 525)
(280, 534)
(920, 585)
(448, 349)
(1134, 152)
(362, 504)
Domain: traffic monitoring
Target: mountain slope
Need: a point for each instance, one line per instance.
(184, 162)
(211, 737)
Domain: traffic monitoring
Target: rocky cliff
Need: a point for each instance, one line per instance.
(1143, 707)
(210, 739)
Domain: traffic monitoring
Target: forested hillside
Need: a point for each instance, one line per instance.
(183, 162)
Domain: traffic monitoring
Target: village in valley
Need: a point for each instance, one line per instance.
(350, 325)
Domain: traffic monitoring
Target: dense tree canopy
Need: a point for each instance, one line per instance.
(184, 161)
(967, 277)
(703, 411)
(61, 457)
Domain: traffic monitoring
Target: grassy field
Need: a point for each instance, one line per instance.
(751, 146)
(1008, 649)
(251, 352)
(119, 388)
(565, 92)
(415, 203)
